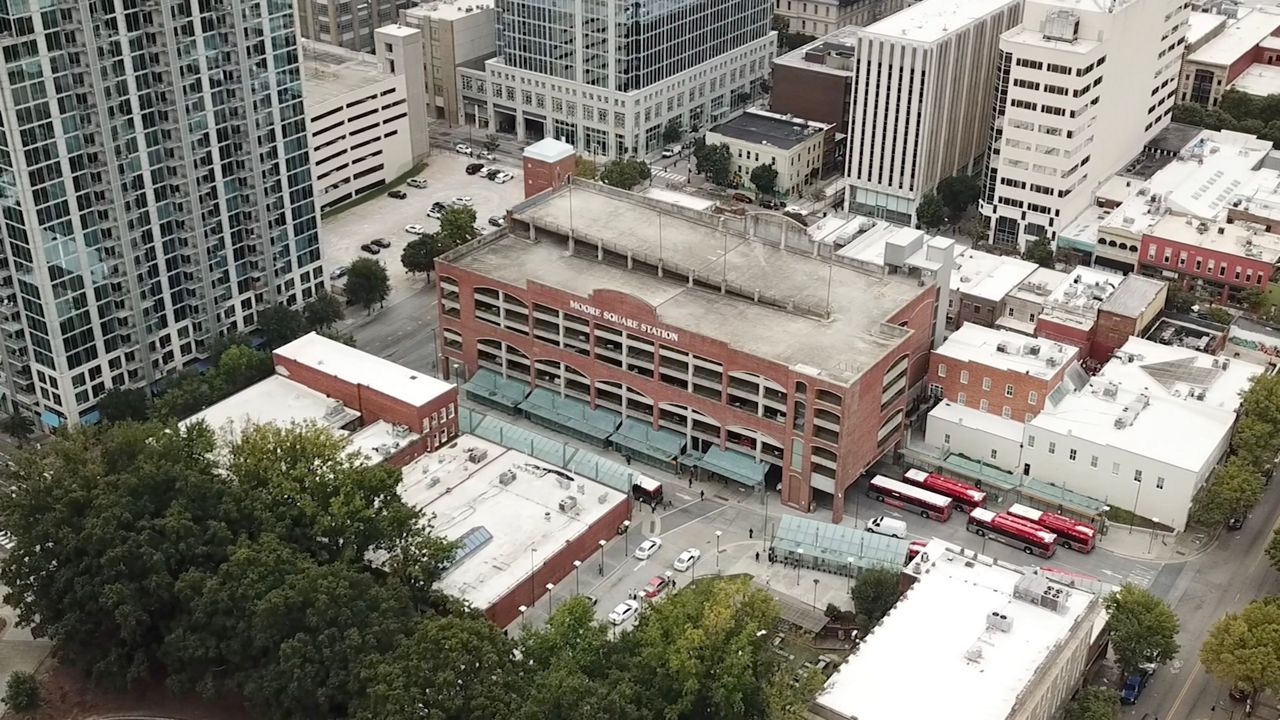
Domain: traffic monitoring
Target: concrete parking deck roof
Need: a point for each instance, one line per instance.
(853, 338)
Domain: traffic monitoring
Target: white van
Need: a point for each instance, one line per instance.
(672, 150)
(888, 526)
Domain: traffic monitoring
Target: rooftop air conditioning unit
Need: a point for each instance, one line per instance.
(475, 457)
(999, 621)
(568, 503)
(1002, 348)
(1121, 422)
(506, 477)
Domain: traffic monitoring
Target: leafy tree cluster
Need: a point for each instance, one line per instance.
(625, 173)
(22, 692)
(875, 594)
(787, 40)
(278, 569)
(1236, 111)
(1237, 486)
(764, 178)
(367, 283)
(1094, 703)
(1040, 252)
(671, 132)
(1143, 628)
(715, 162)
(1244, 648)
(457, 228)
(237, 368)
(586, 168)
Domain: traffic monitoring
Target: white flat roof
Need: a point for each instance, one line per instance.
(1201, 24)
(523, 517)
(934, 656)
(1238, 38)
(675, 197)
(361, 368)
(275, 400)
(977, 419)
(1173, 426)
(1237, 239)
(1084, 289)
(329, 72)
(549, 150)
(379, 440)
(1258, 79)
(1040, 284)
(988, 276)
(451, 10)
(931, 20)
(1030, 356)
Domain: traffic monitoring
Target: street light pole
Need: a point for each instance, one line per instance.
(1136, 494)
(523, 608)
(577, 587)
(602, 544)
(551, 599)
(718, 534)
(533, 579)
(800, 553)
(815, 593)
(1151, 541)
(626, 531)
(848, 580)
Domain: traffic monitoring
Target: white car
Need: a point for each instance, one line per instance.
(434, 214)
(417, 183)
(624, 611)
(486, 155)
(687, 559)
(462, 201)
(502, 179)
(648, 548)
(415, 229)
(464, 148)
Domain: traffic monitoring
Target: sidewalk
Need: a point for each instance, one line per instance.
(1140, 544)
(18, 650)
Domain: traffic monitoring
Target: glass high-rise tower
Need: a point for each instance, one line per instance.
(155, 189)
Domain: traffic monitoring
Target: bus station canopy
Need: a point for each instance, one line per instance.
(733, 465)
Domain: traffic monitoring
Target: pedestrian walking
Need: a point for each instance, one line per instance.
(751, 533)
(757, 556)
(702, 494)
(690, 480)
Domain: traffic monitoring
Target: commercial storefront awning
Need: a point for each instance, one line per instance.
(733, 465)
(570, 415)
(490, 388)
(640, 439)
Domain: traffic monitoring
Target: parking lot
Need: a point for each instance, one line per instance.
(342, 234)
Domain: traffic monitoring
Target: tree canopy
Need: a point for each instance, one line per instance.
(1237, 111)
(1143, 628)
(367, 282)
(121, 404)
(1094, 703)
(671, 132)
(1244, 647)
(586, 168)
(323, 310)
(874, 594)
(930, 212)
(625, 173)
(959, 193)
(715, 162)
(457, 227)
(1040, 252)
(280, 324)
(1235, 489)
(419, 255)
(765, 179)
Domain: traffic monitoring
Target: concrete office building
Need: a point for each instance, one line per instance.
(820, 17)
(367, 114)
(347, 24)
(458, 35)
(1065, 120)
(152, 204)
(695, 341)
(920, 111)
(608, 76)
(1014, 642)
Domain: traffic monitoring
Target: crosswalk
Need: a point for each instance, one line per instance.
(664, 177)
(1141, 576)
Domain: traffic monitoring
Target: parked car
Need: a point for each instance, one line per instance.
(381, 242)
(435, 213)
(657, 585)
(743, 198)
(592, 599)
(1135, 683)
(497, 221)
(370, 248)
(339, 272)
(624, 612)
(486, 155)
(491, 173)
(770, 205)
(417, 183)
(647, 548)
(672, 150)
(464, 149)
(1236, 522)
(687, 559)
(415, 229)
(398, 194)
(884, 525)
(502, 178)
(474, 168)
(438, 205)
(462, 201)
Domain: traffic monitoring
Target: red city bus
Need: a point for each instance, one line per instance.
(965, 496)
(1071, 533)
(1012, 531)
(899, 494)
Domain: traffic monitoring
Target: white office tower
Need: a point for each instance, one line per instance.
(608, 75)
(155, 191)
(922, 101)
(1082, 86)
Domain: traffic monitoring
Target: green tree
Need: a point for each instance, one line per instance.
(22, 692)
(1040, 252)
(280, 325)
(1256, 442)
(441, 661)
(123, 404)
(1094, 703)
(930, 212)
(1235, 489)
(1262, 400)
(1177, 301)
(959, 193)
(875, 593)
(419, 255)
(323, 310)
(765, 179)
(1189, 113)
(1142, 628)
(625, 173)
(490, 142)
(240, 366)
(1239, 105)
(345, 338)
(19, 426)
(188, 394)
(103, 520)
(1244, 648)
(367, 283)
(1219, 314)
(672, 133)
(1273, 548)
(1252, 299)
(457, 228)
(975, 227)
(586, 168)
(715, 162)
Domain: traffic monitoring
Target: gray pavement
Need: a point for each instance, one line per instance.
(18, 650)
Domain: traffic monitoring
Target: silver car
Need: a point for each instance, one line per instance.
(624, 612)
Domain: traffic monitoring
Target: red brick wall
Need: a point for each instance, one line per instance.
(540, 176)
(975, 310)
(558, 568)
(1111, 332)
(1019, 405)
(810, 94)
(1250, 268)
(860, 410)
(1048, 329)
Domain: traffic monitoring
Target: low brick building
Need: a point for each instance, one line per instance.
(997, 371)
(1130, 311)
(548, 164)
(1214, 259)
